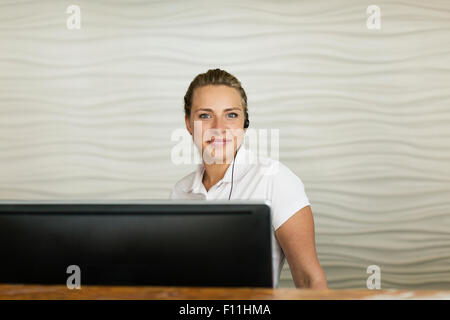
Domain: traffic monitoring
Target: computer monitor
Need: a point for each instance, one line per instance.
(167, 243)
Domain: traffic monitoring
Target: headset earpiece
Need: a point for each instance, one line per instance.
(246, 122)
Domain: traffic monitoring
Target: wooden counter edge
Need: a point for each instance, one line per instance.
(52, 292)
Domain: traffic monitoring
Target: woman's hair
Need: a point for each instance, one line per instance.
(214, 77)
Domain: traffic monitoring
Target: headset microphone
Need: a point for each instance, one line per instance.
(246, 125)
(232, 172)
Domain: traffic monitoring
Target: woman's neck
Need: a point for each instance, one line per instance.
(213, 174)
(216, 171)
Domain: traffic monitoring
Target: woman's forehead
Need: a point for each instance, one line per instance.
(216, 97)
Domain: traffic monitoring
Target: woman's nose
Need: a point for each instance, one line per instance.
(218, 123)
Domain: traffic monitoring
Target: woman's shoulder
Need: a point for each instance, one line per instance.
(183, 185)
(185, 182)
(275, 169)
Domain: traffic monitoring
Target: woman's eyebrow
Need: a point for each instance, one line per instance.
(211, 110)
(203, 109)
(235, 108)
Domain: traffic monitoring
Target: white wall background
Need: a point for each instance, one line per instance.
(363, 114)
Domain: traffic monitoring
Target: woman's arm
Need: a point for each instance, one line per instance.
(296, 238)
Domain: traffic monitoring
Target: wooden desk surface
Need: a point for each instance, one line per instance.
(12, 292)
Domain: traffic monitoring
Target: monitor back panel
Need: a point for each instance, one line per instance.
(187, 245)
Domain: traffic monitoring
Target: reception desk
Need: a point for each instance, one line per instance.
(13, 292)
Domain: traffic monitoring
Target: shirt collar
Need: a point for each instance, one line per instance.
(244, 158)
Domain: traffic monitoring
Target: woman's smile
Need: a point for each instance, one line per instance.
(219, 141)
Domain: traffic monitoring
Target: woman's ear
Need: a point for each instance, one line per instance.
(188, 125)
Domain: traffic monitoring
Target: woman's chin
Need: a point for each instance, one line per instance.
(218, 155)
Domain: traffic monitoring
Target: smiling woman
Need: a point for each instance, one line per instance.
(216, 115)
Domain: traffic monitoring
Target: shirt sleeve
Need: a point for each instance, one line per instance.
(174, 194)
(288, 195)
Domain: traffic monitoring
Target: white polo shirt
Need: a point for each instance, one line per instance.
(254, 178)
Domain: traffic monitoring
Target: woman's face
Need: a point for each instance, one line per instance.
(216, 122)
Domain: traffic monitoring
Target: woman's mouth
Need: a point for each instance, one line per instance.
(219, 142)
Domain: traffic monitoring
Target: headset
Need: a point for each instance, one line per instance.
(246, 122)
(246, 125)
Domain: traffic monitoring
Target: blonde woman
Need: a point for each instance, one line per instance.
(216, 116)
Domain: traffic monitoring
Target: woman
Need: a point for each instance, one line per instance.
(216, 116)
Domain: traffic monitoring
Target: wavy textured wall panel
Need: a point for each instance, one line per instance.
(363, 114)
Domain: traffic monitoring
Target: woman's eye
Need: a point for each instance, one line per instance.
(233, 115)
(204, 116)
